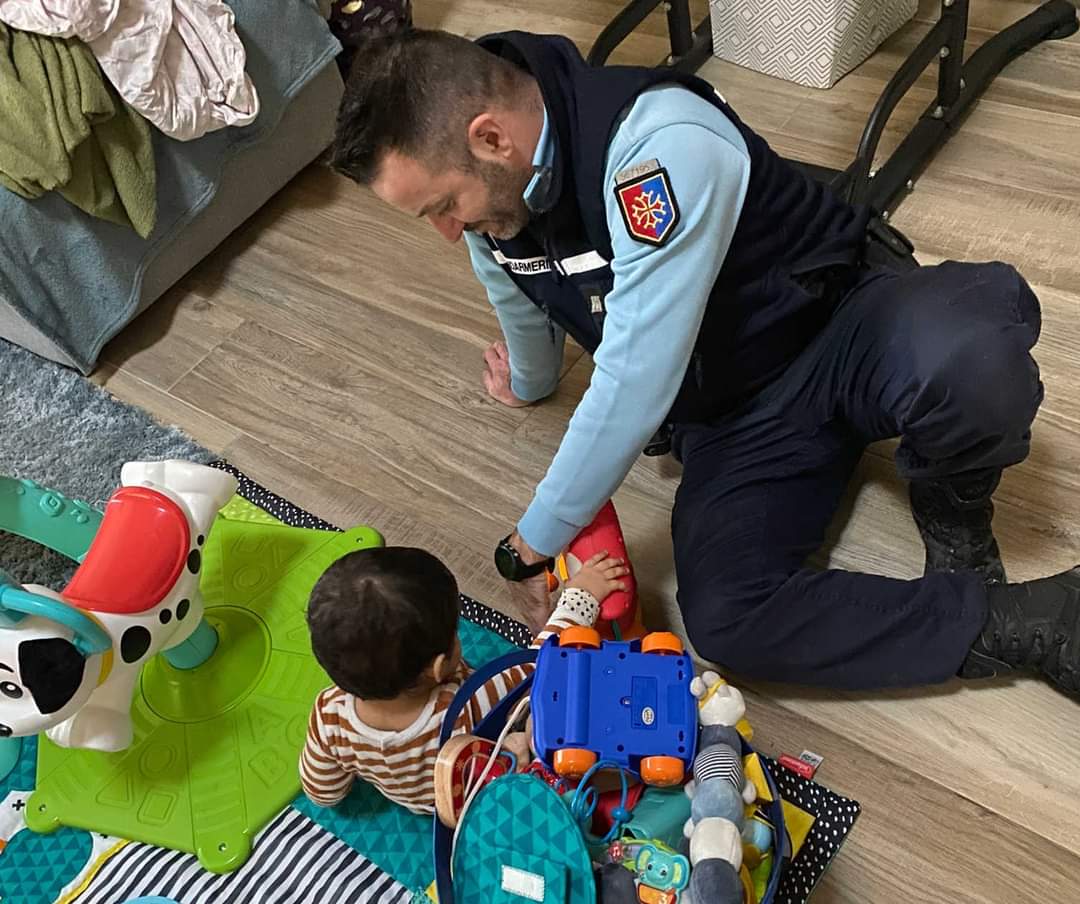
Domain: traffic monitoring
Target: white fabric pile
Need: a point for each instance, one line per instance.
(179, 63)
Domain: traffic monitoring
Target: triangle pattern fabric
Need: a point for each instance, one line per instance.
(36, 866)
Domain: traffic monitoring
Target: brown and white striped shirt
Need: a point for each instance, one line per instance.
(340, 748)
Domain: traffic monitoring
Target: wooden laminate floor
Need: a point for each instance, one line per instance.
(331, 348)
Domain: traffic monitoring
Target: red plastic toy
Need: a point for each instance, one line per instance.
(113, 580)
(619, 612)
(799, 767)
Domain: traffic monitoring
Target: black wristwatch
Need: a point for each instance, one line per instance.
(512, 567)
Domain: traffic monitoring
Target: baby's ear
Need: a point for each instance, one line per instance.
(443, 666)
(440, 668)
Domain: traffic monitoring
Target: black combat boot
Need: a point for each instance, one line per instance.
(1032, 628)
(954, 516)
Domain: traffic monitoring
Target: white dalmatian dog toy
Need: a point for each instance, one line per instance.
(69, 661)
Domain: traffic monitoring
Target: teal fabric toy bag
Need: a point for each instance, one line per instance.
(518, 844)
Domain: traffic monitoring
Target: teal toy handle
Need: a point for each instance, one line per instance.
(47, 517)
(16, 603)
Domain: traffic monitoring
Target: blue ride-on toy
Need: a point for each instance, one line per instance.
(623, 702)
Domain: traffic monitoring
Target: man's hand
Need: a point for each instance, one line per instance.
(530, 596)
(497, 375)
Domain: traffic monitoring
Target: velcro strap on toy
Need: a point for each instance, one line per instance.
(492, 724)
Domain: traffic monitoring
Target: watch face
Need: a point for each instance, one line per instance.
(505, 562)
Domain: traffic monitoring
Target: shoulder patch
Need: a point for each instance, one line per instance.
(648, 204)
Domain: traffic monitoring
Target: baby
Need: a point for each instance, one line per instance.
(384, 627)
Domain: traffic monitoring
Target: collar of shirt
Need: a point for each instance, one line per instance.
(538, 189)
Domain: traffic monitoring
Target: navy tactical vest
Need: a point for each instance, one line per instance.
(764, 307)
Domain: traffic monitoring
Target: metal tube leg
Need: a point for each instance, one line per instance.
(619, 29)
(679, 27)
(1054, 19)
(954, 14)
(690, 47)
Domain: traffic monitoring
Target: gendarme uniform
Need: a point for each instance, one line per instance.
(724, 295)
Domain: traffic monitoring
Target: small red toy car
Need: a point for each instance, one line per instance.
(627, 702)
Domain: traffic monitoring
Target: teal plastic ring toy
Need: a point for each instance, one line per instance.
(90, 637)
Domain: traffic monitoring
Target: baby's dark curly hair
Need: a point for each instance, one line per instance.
(378, 617)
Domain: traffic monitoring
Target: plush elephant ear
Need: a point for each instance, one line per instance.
(644, 856)
(680, 872)
(52, 670)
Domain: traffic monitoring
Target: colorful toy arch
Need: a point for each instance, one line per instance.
(216, 746)
(63, 525)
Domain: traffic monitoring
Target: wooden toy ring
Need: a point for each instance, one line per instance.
(460, 761)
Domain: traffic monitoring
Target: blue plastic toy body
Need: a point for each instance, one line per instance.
(616, 702)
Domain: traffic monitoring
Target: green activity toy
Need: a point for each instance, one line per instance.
(204, 752)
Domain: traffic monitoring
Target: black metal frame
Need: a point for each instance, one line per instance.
(690, 47)
(960, 84)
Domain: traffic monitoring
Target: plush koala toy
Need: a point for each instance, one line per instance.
(718, 795)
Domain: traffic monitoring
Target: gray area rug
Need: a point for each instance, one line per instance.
(67, 434)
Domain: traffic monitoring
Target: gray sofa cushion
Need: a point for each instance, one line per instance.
(68, 282)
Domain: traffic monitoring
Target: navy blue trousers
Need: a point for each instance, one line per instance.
(938, 356)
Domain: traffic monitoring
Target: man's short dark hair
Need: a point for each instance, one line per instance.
(415, 92)
(379, 616)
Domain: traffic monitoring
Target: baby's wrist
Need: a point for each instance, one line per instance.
(578, 606)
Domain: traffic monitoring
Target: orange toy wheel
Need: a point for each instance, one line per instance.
(662, 771)
(661, 642)
(573, 762)
(578, 636)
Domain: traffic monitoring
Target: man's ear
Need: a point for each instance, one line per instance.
(489, 138)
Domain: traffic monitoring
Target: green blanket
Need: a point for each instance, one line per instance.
(64, 128)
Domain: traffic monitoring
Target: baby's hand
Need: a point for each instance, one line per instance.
(600, 576)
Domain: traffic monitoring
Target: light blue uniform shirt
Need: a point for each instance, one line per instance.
(653, 312)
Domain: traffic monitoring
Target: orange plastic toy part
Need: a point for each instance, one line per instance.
(662, 771)
(136, 557)
(572, 762)
(649, 895)
(579, 636)
(661, 642)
